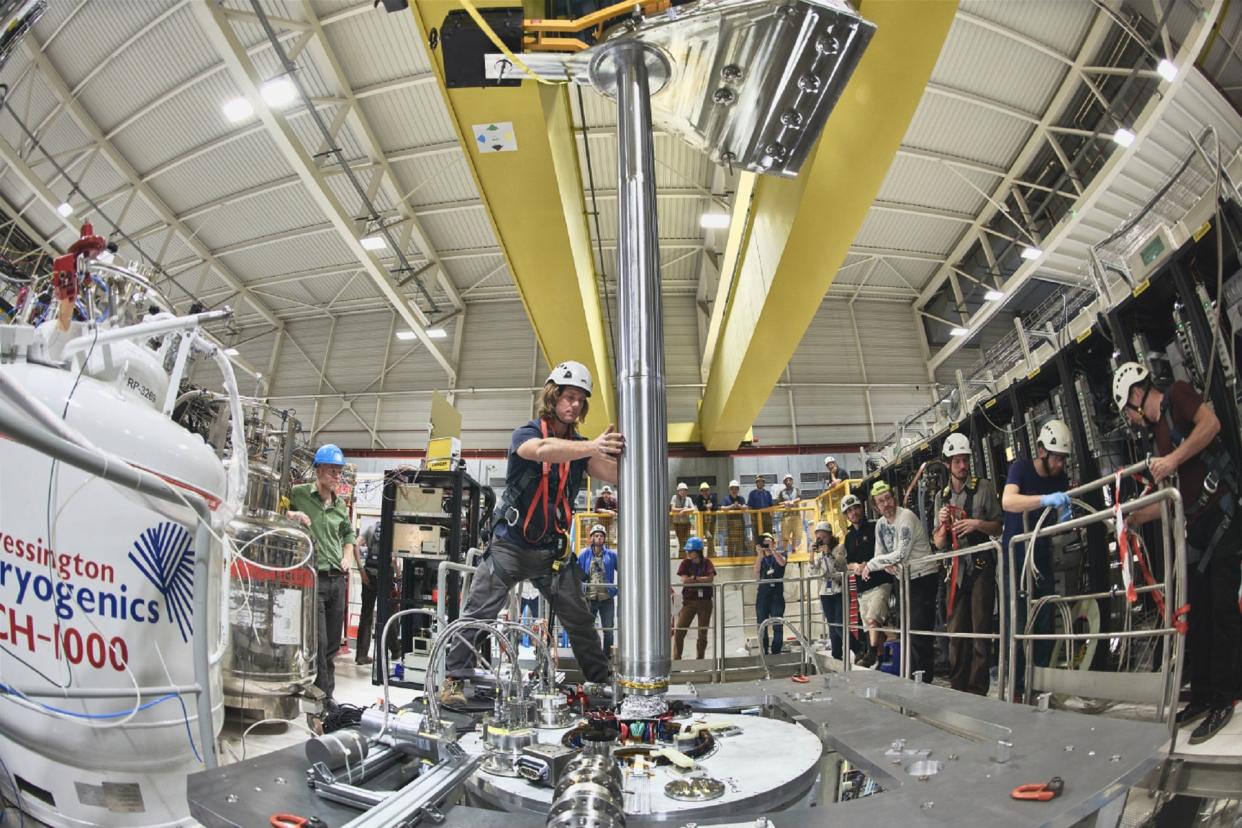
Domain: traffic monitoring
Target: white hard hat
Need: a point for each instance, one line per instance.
(829, 459)
(681, 486)
(849, 502)
(599, 527)
(733, 484)
(954, 445)
(1055, 437)
(787, 476)
(823, 526)
(1126, 377)
(606, 490)
(572, 373)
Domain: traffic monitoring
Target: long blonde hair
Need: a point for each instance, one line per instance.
(551, 396)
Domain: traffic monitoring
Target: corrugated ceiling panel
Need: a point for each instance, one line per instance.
(323, 8)
(500, 348)
(168, 55)
(182, 123)
(681, 340)
(285, 209)
(435, 179)
(991, 137)
(376, 47)
(827, 352)
(290, 256)
(32, 99)
(1054, 23)
(903, 231)
(234, 166)
(410, 117)
(95, 33)
(459, 230)
(488, 420)
(889, 342)
(929, 183)
(1028, 82)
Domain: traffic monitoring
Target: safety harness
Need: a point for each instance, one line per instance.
(1129, 547)
(556, 508)
(957, 513)
(1220, 472)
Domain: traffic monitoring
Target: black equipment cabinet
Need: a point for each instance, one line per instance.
(454, 511)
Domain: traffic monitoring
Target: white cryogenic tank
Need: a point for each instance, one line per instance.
(95, 613)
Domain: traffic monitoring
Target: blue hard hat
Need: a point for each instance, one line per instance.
(329, 455)
(694, 544)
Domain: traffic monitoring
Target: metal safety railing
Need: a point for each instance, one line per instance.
(728, 534)
(1160, 688)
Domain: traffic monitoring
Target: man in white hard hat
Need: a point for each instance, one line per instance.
(709, 505)
(901, 540)
(734, 505)
(547, 461)
(606, 507)
(873, 592)
(833, 473)
(599, 567)
(1030, 487)
(1185, 432)
(681, 512)
(828, 562)
(968, 513)
(788, 499)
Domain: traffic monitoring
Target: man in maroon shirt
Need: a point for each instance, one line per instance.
(1185, 434)
(697, 573)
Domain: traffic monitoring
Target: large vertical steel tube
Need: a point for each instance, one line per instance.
(644, 652)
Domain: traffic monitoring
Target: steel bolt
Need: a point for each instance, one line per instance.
(732, 72)
(723, 96)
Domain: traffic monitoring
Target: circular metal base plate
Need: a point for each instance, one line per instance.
(603, 69)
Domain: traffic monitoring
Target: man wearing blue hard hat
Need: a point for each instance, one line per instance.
(325, 515)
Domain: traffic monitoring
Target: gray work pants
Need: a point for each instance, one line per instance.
(506, 565)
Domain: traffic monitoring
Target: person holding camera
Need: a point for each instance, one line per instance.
(829, 562)
(770, 565)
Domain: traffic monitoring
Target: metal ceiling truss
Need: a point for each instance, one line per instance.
(1020, 226)
(219, 30)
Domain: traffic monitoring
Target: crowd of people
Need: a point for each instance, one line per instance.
(548, 461)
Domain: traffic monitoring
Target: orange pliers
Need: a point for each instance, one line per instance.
(295, 821)
(1041, 792)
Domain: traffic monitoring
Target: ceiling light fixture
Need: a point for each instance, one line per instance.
(437, 333)
(1123, 137)
(237, 110)
(1029, 252)
(65, 210)
(1166, 69)
(278, 92)
(373, 243)
(406, 336)
(993, 295)
(230, 352)
(714, 221)
(958, 331)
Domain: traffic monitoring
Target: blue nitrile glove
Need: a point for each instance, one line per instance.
(1057, 500)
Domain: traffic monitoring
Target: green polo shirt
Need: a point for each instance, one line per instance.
(330, 527)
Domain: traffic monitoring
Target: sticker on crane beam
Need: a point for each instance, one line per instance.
(497, 137)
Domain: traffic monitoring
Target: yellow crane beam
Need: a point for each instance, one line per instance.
(534, 198)
(790, 236)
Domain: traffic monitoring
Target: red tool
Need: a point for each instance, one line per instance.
(295, 821)
(801, 679)
(65, 268)
(1041, 792)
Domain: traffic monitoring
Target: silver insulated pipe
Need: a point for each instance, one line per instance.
(644, 655)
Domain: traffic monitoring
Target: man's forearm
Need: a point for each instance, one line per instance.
(555, 450)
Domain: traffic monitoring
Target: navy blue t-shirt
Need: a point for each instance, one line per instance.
(769, 570)
(522, 478)
(1023, 474)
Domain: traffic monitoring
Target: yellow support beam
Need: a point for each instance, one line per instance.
(792, 235)
(534, 198)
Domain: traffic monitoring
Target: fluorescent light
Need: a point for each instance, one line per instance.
(958, 331)
(437, 333)
(230, 352)
(1123, 137)
(257, 375)
(373, 243)
(993, 295)
(65, 209)
(278, 92)
(714, 221)
(406, 336)
(1166, 69)
(1029, 252)
(237, 110)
